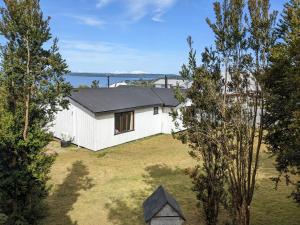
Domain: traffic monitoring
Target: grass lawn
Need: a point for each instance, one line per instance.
(108, 187)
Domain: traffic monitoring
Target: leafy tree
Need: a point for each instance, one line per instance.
(282, 83)
(141, 83)
(95, 84)
(3, 218)
(208, 177)
(32, 91)
(228, 109)
(83, 86)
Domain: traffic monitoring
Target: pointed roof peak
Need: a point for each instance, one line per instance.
(157, 200)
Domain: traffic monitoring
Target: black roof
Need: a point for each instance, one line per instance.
(167, 96)
(99, 100)
(153, 204)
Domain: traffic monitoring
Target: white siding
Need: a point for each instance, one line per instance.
(77, 122)
(118, 84)
(167, 210)
(160, 83)
(145, 124)
(96, 132)
(167, 221)
(167, 216)
(167, 121)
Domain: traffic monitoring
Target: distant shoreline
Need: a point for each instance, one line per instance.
(77, 79)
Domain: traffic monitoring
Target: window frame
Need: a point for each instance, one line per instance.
(133, 122)
(154, 110)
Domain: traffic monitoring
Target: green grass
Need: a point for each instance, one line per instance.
(109, 187)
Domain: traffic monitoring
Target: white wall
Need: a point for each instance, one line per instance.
(167, 216)
(118, 84)
(160, 83)
(77, 122)
(96, 132)
(167, 221)
(145, 124)
(167, 121)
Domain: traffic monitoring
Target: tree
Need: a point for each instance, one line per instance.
(282, 83)
(95, 84)
(229, 109)
(208, 176)
(140, 83)
(83, 86)
(32, 91)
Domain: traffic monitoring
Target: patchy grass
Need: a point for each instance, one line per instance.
(109, 187)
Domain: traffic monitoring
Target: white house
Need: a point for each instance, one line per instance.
(98, 118)
(171, 82)
(122, 83)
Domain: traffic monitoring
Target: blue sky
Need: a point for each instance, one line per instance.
(129, 35)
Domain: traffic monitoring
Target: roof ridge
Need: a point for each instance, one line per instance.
(160, 186)
(164, 203)
(165, 199)
(152, 89)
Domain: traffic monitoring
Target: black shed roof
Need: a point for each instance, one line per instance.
(99, 100)
(154, 203)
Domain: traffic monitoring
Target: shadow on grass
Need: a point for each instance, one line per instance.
(129, 211)
(67, 193)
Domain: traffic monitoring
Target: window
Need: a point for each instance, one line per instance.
(124, 122)
(155, 110)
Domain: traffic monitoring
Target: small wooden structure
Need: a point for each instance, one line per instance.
(161, 208)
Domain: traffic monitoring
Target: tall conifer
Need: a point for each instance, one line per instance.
(282, 83)
(33, 89)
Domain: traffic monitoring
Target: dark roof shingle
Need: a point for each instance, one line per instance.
(167, 96)
(112, 99)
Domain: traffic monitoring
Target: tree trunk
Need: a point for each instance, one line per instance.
(26, 119)
(243, 214)
(27, 97)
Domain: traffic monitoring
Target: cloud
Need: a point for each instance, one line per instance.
(161, 7)
(89, 56)
(137, 71)
(96, 47)
(88, 20)
(158, 17)
(103, 3)
(138, 9)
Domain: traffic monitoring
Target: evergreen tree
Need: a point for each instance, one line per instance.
(282, 83)
(32, 91)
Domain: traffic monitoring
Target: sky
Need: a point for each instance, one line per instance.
(128, 36)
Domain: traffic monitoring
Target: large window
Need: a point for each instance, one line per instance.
(124, 122)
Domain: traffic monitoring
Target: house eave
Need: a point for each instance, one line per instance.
(127, 109)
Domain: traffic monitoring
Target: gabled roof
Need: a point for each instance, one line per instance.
(155, 202)
(167, 96)
(99, 100)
